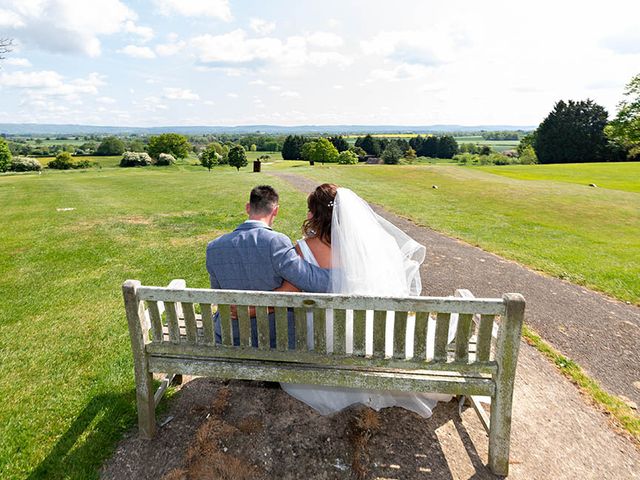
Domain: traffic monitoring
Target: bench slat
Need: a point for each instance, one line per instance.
(339, 324)
(172, 322)
(420, 336)
(348, 332)
(224, 312)
(400, 335)
(190, 322)
(156, 321)
(485, 329)
(494, 306)
(442, 334)
(319, 332)
(313, 374)
(328, 329)
(300, 315)
(359, 332)
(244, 325)
(462, 337)
(207, 324)
(186, 351)
(282, 334)
(379, 326)
(262, 318)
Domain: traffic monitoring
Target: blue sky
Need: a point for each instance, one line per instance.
(219, 62)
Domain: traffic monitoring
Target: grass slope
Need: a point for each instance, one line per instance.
(616, 176)
(67, 390)
(582, 234)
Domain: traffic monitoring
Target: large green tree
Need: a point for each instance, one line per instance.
(573, 133)
(110, 146)
(210, 156)
(370, 145)
(625, 128)
(392, 154)
(237, 157)
(292, 147)
(173, 143)
(340, 143)
(5, 156)
(322, 150)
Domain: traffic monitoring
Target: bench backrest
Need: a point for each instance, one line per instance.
(416, 332)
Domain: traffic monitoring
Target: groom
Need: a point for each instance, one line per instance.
(254, 257)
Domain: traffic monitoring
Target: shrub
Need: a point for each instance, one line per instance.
(61, 162)
(25, 164)
(165, 159)
(5, 156)
(82, 164)
(347, 158)
(466, 158)
(528, 156)
(135, 159)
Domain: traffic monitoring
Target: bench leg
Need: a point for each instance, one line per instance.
(499, 434)
(146, 404)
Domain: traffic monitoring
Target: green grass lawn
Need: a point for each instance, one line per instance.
(67, 391)
(618, 176)
(586, 235)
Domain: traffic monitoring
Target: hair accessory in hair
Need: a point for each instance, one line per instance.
(330, 204)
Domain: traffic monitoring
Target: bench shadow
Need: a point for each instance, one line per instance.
(90, 439)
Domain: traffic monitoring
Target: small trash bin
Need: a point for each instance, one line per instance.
(256, 166)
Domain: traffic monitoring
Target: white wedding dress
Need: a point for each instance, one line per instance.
(370, 256)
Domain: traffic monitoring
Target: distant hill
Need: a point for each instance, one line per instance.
(53, 129)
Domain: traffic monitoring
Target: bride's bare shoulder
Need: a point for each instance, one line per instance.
(320, 250)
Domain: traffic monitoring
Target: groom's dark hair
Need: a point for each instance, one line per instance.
(263, 199)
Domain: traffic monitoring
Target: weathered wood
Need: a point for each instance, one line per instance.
(325, 300)
(139, 336)
(485, 329)
(282, 330)
(482, 414)
(156, 321)
(400, 335)
(190, 322)
(339, 321)
(318, 358)
(316, 375)
(244, 325)
(359, 332)
(224, 312)
(319, 332)
(164, 384)
(262, 319)
(462, 337)
(328, 329)
(348, 332)
(442, 333)
(172, 322)
(300, 315)
(507, 346)
(420, 336)
(379, 326)
(208, 335)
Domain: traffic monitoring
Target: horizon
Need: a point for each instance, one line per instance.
(229, 63)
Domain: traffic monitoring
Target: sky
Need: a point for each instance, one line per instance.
(328, 62)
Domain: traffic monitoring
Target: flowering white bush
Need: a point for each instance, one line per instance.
(135, 159)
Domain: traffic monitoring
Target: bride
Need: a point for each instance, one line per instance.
(368, 256)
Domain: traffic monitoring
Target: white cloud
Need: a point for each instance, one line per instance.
(257, 82)
(196, 8)
(209, 102)
(325, 40)
(68, 26)
(17, 62)
(167, 49)
(106, 100)
(180, 94)
(145, 33)
(137, 51)
(232, 95)
(262, 27)
(290, 93)
(47, 83)
(235, 49)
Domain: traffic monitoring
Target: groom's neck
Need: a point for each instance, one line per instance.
(260, 218)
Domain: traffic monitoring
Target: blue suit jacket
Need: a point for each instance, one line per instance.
(254, 257)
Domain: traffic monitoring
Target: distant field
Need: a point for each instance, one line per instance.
(619, 176)
(586, 235)
(497, 145)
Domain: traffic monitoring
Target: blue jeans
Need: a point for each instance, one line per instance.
(235, 330)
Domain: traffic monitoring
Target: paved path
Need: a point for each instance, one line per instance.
(600, 334)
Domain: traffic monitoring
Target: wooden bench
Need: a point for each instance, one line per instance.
(346, 341)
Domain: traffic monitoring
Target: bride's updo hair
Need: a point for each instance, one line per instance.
(320, 204)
